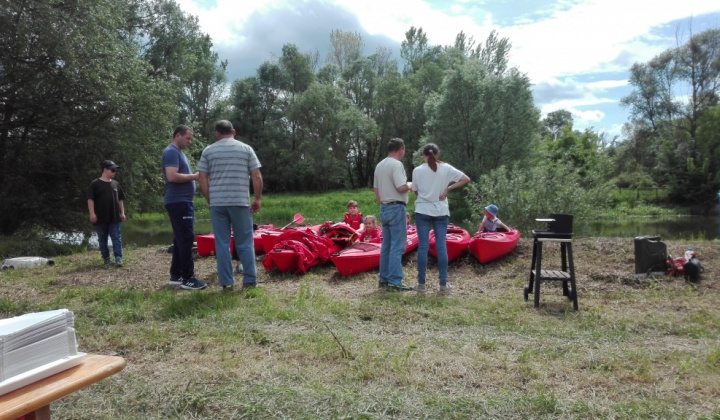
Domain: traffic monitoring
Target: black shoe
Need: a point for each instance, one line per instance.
(193, 284)
(228, 288)
(250, 285)
(176, 281)
(398, 288)
(382, 284)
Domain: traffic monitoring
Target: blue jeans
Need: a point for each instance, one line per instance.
(439, 224)
(238, 218)
(113, 231)
(182, 218)
(394, 231)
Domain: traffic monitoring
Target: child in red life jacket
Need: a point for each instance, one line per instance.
(408, 220)
(354, 219)
(372, 232)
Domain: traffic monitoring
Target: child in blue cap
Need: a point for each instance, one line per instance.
(490, 222)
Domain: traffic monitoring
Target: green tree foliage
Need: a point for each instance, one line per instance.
(73, 92)
(672, 92)
(555, 121)
(582, 150)
(82, 81)
(261, 114)
(482, 121)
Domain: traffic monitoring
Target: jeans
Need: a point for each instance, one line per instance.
(394, 230)
(113, 230)
(182, 218)
(239, 218)
(439, 224)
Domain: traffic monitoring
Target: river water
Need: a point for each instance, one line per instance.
(148, 233)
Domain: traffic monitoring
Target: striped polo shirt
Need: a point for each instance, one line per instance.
(228, 163)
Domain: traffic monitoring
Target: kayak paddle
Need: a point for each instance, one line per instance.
(297, 219)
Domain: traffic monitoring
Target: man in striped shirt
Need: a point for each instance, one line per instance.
(226, 169)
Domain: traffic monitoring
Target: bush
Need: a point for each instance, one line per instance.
(524, 194)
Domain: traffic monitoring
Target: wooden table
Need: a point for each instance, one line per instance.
(33, 401)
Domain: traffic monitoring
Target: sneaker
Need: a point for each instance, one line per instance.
(249, 285)
(228, 288)
(176, 281)
(382, 284)
(118, 261)
(398, 288)
(239, 269)
(445, 288)
(107, 261)
(193, 284)
(420, 288)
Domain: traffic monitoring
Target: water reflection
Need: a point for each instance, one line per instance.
(680, 227)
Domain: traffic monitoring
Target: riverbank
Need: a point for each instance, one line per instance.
(322, 345)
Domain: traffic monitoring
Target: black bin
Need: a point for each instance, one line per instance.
(650, 254)
(562, 223)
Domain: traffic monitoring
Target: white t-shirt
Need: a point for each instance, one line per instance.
(429, 185)
(389, 175)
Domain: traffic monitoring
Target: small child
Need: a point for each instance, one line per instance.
(490, 222)
(371, 233)
(354, 219)
(408, 220)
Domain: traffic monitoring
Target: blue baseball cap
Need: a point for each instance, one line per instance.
(492, 209)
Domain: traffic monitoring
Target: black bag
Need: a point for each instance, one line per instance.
(692, 270)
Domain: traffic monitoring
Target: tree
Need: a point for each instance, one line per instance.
(415, 50)
(555, 121)
(483, 121)
(73, 91)
(671, 94)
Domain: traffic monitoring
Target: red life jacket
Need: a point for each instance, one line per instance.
(354, 222)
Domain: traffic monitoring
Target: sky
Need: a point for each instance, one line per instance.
(577, 53)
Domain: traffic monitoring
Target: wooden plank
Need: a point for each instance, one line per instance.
(541, 239)
(552, 275)
(40, 394)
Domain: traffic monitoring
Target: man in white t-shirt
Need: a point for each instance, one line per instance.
(391, 191)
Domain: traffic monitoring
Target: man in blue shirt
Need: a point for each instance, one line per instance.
(179, 194)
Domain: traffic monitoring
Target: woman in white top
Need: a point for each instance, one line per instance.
(432, 181)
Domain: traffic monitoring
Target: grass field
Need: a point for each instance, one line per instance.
(324, 346)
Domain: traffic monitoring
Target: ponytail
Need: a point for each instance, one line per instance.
(431, 151)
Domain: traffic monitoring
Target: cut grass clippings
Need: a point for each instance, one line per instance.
(326, 346)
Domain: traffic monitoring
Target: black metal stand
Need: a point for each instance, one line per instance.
(566, 274)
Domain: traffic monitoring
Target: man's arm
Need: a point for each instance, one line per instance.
(91, 210)
(257, 182)
(404, 187)
(121, 204)
(377, 195)
(172, 175)
(203, 183)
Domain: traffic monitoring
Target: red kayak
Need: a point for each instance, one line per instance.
(257, 237)
(365, 256)
(298, 251)
(457, 240)
(270, 237)
(489, 246)
(206, 243)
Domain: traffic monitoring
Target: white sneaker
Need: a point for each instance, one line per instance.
(445, 288)
(420, 288)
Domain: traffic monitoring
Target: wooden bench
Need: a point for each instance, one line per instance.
(32, 402)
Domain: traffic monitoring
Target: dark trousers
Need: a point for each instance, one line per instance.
(182, 219)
